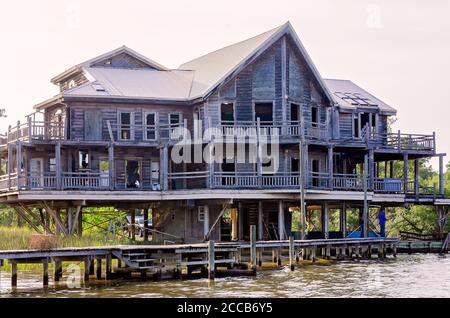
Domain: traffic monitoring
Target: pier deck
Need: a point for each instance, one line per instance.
(206, 257)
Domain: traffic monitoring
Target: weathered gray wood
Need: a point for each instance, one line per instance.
(146, 225)
(108, 274)
(57, 271)
(87, 264)
(366, 204)
(291, 253)
(253, 248)
(211, 260)
(45, 273)
(405, 172)
(13, 274)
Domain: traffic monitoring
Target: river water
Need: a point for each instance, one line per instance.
(417, 275)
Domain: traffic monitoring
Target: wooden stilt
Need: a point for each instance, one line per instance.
(87, 264)
(211, 260)
(13, 274)
(145, 225)
(45, 273)
(58, 270)
(274, 256)
(98, 270)
(313, 254)
(253, 248)
(291, 253)
(279, 256)
(108, 274)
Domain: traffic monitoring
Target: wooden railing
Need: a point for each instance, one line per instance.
(46, 181)
(281, 180)
(235, 180)
(122, 132)
(8, 182)
(351, 182)
(84, 181)
(34, 130)
(401, 141)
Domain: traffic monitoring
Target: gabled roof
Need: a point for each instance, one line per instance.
(351, 96)
(120, 50)
(213, 68)
(134, 83)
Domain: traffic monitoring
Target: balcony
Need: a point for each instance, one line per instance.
(146, 133)
(34, 130)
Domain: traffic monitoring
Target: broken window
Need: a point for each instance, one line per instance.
(264, 111)
(83, 156)
(125, 121)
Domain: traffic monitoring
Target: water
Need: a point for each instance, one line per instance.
(417, 275)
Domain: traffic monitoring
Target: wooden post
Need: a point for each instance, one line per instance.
(366, 204)
(416, 178)
(371, 173)
(133, 223)
(19, 164)
(108, 274)
(260, 221)
(13, 273)
(45, 272)
(405, 172)
(313, 253)
(274, 256)
(253, 248)
(291, 253)
(344, 220)
(441, 175)
(58, 270)
(211, 260)
(80, 223)
(281, 231)
(98, 270)
(326, 221)
(146, 225)
(70, 220)
(391, 169)
(303, 169)
(87, 264)
(206, 221)
(240, 221)
(165, 168)
(111, 166)
(58, 165)
(330, 167)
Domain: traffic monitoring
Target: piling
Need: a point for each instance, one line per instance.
(58, 270)
(108, 266)
(253, 248)
(13, 274)
(211, 260)
(87, 264)
(45, 272)
(98, 271)
(291, 253)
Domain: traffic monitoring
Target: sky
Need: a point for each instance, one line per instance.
(398, 50)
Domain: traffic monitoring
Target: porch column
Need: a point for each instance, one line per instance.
(344, 220)
(371, 169)
(330, 167)
(19, 163)
(206, 221)
(80, 223)
(133, 223)
(146, 225)
(306, 165)
(164, 166)
(260, 221)
(441, 174)
(69, 214)
(365, 213)
(326, 216)
(58, 165)
(281, 230)
(405, 172)
(10, 167)
(240, 221)
(111, 166)
(391, 169)
(416, 177)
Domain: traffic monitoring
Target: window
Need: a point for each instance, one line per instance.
(175, 126)
(126, 125)
(83, 159)
(264, 111)
(295, 165)
(295, 113)
(201, 213)
(227, 113)
(150, 126)
(52, 164)
(314, 116)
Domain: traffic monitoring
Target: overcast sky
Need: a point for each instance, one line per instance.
(397, 50)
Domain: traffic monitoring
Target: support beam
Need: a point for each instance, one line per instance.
(70, 220)
(371, 166)
(240, 221)
(344, 220)
(133, 223)
(58, 270)
(253, 248)
(391, 169)
(291, 253)
(330, 167)
(366, 204)
(206, 221)
(98, 270)
(59, 225)
(405, 172)
(441, 174)
(19, 164)
(302, 190)
(326, 221)
(108, 274)
(87, 265)
(281, 230)
(58, 165)
(80, 223)
(45, 273)
(416, 177)
(111, 166)
(211, 261)
(13, 274)
(260, 221)
(146, 225)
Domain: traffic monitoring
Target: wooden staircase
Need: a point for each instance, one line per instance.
(138, 259)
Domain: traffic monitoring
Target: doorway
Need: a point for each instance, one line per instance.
(36, 171)
(133, 174)
(315, 169)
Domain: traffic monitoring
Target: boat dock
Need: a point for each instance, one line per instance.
(204, 259)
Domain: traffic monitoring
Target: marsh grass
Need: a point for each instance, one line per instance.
(18, 238)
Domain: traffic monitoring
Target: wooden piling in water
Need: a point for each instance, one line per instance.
(211, 260)
(13, 274)
(58, 270)
(45, 273)
(291, 253)
(108, 274)
(87, 264)
(98, 270)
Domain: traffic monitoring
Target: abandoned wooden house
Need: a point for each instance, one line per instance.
(107, 139)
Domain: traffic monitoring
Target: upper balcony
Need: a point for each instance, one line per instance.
(34, 130)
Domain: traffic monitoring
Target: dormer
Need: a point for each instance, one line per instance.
(121, 58)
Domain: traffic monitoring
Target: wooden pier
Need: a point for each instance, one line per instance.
(205, 259)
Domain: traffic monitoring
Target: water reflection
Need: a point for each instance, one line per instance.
(419, 275)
